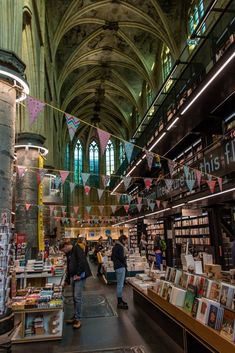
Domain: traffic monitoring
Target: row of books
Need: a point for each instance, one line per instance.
(192, 222)
(193, 231)
(205, 310)
(194, 241)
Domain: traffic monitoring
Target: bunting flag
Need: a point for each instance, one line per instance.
(148, 202)
(129, 198)
(75, 209)
(88, 208)
(34, 108)
(63, 208)
(169, 184)
(87, 189)
(152, 205)
(126, 208)
(85, 177)
(220, 182)
(100, 193)
(27, 206)
(72, 186)
(40, 175)
(211, 184)
(164, 204)
(104, 138)
(186, 170)
(198, 176)
(113, 208)
(57, 182)
(129, 149)
(72, 124)
(158, 202)
(139, 207)
(21, 170)
(55, 212)
(64, 214)
(118, 196)
(63, 175)
(101, 209)
(171, 166)
(139, 200)
(148, 183)
(190, 183)
(149, 157)
(127, 181)
(105, 180)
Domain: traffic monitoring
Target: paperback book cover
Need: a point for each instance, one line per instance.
(195, 307)
(203, 310)
(184, 280)
(165, 290)
(200, 283)
(214, 293)
(212, 317)
(189, 298)
(178, 276)
(226, 295)
(227, 329)
(172, 275)
(178, 296)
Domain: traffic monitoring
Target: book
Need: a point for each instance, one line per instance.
(178, 296)
(213, 316)
(200, 283)
(214, 293)
(178, 276)
(195, 307)
(226, 295)
(189, 298)
(183, 282)
(172, 275)
(203, 310)
(227, 329)
(165, 290)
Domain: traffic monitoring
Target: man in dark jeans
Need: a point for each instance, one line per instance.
(77, 271)
(119, 261)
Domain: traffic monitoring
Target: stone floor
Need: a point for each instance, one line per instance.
(110, 334)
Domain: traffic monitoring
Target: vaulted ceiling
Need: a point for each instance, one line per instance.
(103, 54)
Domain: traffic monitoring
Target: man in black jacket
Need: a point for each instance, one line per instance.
(77, 271)
(119, 261)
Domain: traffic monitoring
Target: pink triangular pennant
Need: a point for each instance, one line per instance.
(103, 137)
(113, 208)
(27, 206)
(126, 207)
(101, 208)
(211, 184)
(139, 206)
(75, 209)
(21, 170)
(127, 181)
(72, 124)
(139, 200)
(220, 182)
(63, 175)
(149, 157)
(105, 179)
(87, 189)
(148, 183)
(158, 202)
(34, 108)
(100, 193)
(198, 176)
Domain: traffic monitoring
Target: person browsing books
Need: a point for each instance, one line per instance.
(77, 271)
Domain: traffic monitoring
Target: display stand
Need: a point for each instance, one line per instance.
(51, 320)
(189, 333)
(40, 278)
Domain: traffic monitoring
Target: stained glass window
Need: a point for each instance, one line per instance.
(67, 157)
(94, 163)
(78, 163)
(121, 152)
(109, 158)
(195, 15)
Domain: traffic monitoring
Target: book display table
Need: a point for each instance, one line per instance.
(190, 334)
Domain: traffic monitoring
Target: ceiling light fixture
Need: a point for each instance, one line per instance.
(172, 124)
(131, 170)
(209, 196)
(209, 82)
(157, 212)
(181, 204)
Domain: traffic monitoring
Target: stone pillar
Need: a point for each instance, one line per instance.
(27, 189)
(12, 83)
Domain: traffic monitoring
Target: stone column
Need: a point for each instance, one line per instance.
(11, 84)
(27, 189)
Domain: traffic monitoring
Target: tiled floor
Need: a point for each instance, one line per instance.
(130, 328)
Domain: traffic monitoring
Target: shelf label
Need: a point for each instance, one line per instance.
(186, 212)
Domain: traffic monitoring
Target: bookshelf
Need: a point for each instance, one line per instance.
(153, 231)
(194, 229)
(133, 237)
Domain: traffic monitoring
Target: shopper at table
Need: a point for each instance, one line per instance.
(118, 257)
(143, 244)
(98, 253)
(77, 271)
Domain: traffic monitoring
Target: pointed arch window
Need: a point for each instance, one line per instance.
(94, 162)
(195, 14)
(109, 158)
(67, 157)
(167, 63)
(78, 162)
(121, 152)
